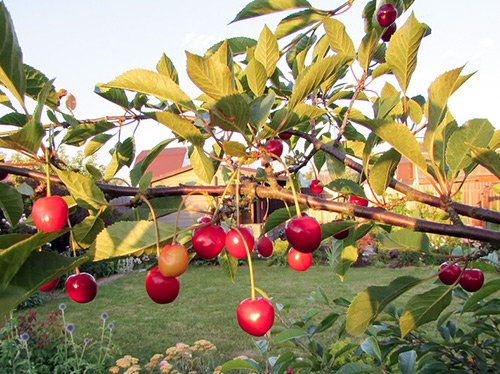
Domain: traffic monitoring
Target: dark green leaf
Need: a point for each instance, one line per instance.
(78, 135)
(280, 216)
(145, 181)
(371, 347)
(231, 113)
(95, 144)
(229, 264)
(356, 368)
(488, 158)
(289, 334)
(488, 289)
(141, 166)
(407, 362)
(238, 45)
(260, 109)
(115, 95)
(35, 82)
(11, 203)
(14, 119)
(260, 7)
(332, 228)
(85, 232)
(404, 239)
(347, 186)
(7, 240)
(162, 207)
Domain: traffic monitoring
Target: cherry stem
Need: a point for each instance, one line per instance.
(155, 222)
(237, 197)
(47, 171)
(225, 192)
(72, 245)
(250, 264)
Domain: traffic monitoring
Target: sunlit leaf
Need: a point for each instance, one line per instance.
(260, 7)
(267, 51)
(338, 38)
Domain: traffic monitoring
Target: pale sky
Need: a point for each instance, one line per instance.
(82, 43)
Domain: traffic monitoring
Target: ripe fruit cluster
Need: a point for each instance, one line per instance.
(386, 15)
(470, 279)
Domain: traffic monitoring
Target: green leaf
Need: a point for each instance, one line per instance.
(166, 67)
(476, 132)
(370, 302)
(280, 216)
(202, 165)
(260, 109)
(486, 157)
(239, 45)
(141, 166)
(246, 364)
(11, 58)
(400, 137)
(77, 136)
(151, 83)
(114, 95)
(297, 21)
(486, 290)
(7, 240)
(95, 144)
(260, 7)
(27, 139)
(404, 239)
(145, 181)
(130, 238)
(368, 47)
(301, 113)
(401, 54)
(256, 77)
(161, 205)
(343, 256)
(4, 100)
(35, 82)
(314, 75)
(83, 190)
(347, 187)
(231, 113)
(14, 257)
(407, 362)
(229, 264)
(211, 76)
(424, 308)
(11, 203)
(14, 119)
(356, 368)
(338, 38)
(85, 232)
(383, 171)
(180, 126)
(288, 334)
(332, 228)
(234, 149)
(370, 346)
(267, 51)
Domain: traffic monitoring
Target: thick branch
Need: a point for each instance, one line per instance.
(412, 194)
(377, 214)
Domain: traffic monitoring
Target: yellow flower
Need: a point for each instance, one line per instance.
(217, 372)
(134, 369)
(241, 358)
(124, 362)
(114, 369)
(156, 357)
(193, 372)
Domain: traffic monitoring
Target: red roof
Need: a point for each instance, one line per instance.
(168, 160)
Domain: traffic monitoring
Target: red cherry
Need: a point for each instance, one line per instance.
(285, 135)
(356, 200)
(204, 219)
(50, 213)
(303, 233)
(173, 260)
(386, 36)
(162, 290)
(81, 288)
(255, 317)
(274, 147)
(472, 280)
(450, 275)
(343, 234)
(234, 242)
(265, 246)
(49, 286)
(386, 15)
(208, 241)
(299, 261)
(316, 186)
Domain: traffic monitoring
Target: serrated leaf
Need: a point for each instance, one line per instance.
(145, 181)
(332, 228)
(229, 264)
(114, 95)
(346, 186)
(267, 51)
(476, 132)
(211, 76)
(338, 38)
(96, 173)
(370, 302)
(12, 258)
(370, 346)
(85, 232)
(314, 75)
(11, 203)
(202, 165)
(11, 58)
(14, 119)
(401, 54)
(486, 290)
(161, 205)
(260, 109)
(4, 100)
(368, 47)
(343, 256)
(234, 149)
(166, 67)
(400, 137)
(152, 83)
(130, 238)
(35, 82)
(95, 144)
(297, 21)
(83, 190)
(27, 139)
(78, 135)
(256, 77)
(280, 216)
(231, 113)
(407, 362)
(301, 113)
(180, 126)
(260, 7)
(141, 166)
(424, 308)
(486, 157)
(239, 45)
(383, 170)
(288, 334)
(404, 239)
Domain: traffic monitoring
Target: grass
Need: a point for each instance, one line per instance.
(206, 305)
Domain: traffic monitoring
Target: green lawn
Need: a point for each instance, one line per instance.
(206, 305)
